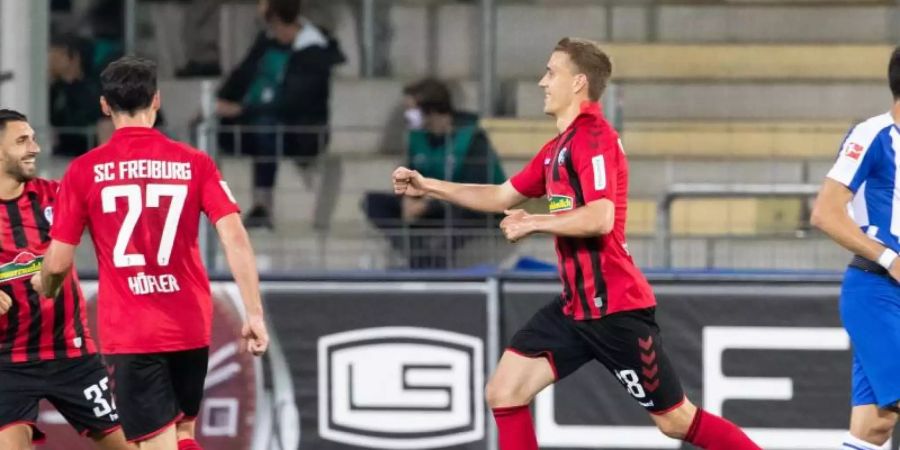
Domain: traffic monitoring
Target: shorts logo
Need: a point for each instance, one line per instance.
(23, 265)
(401, 388)
(854, 151)
(560, 203)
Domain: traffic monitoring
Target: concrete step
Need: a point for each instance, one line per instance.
(443, 38)
(844, 101)
(714, 139)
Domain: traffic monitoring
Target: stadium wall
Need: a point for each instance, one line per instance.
(399, 361)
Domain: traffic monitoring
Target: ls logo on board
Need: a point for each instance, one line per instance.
(401, 388)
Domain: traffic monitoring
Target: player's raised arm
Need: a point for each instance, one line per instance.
(479, 197)
(242, 262)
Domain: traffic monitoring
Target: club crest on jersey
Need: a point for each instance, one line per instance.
(23, 265)
(48, 214)
(853, 150)
(561, 159)
(561, 203)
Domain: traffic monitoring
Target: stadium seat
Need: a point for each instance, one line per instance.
(521, 138)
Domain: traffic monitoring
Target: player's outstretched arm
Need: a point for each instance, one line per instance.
(594, 219)
(242, 262)
(57, 263)
(490, 198)
(830, 215)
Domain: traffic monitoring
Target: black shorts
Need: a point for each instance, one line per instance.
(627, 343)
(156, 390)
(77, 387)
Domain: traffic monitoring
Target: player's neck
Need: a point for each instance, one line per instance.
(10, 188)
(144, 119)
(568, 115)
(895, 112)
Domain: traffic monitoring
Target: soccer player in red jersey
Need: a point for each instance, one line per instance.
(141, 196)
(606, 310)
(46, 350)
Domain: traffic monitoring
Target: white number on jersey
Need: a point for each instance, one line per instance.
(132, 192)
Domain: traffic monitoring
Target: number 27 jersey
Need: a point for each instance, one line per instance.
(141, 196)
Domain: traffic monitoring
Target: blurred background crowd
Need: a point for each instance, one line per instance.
(730, 112)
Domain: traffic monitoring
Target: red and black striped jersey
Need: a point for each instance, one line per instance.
(584, 164)
(35, 328)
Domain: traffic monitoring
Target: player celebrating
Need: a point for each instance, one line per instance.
(606, 311)
(46, 350)
(141, 196)
(863, 177)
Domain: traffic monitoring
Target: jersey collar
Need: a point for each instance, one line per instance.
(134, 131)
(589, 111)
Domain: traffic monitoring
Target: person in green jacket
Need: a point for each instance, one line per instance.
(442, 143)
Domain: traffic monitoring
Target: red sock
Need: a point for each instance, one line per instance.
(189, 444)
(515, 428)
(715, 433)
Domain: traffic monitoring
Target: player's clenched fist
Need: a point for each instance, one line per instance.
(5, 303)
(408, 182)
(516, 225)
(255, 335)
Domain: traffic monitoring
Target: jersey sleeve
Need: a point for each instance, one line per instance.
(855, 161)
(71, 209)
(530, 180)
(597, 162)
(216, 198)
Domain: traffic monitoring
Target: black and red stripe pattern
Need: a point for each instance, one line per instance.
(584, 164)
(35, 328)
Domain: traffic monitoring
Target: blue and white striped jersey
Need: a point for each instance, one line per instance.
(867, 165)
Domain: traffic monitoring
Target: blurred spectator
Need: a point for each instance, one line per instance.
(201, 39)
(444, 144)
(107, 29)
(285, 80)
(326, 12)
(74, 96)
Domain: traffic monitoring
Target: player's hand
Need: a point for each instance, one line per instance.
(408, 182)
(254, 335)
(517, 224)
(227, 109)
(5, 303)
(895, 270)
(37, 284)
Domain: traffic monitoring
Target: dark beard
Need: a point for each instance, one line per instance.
(19, 175)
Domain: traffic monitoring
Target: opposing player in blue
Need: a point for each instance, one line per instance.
(859, 207)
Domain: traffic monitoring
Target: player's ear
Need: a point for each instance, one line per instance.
(104, 107)
(579, 82)
(155, 104)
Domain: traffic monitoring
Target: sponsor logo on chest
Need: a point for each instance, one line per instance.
(23, 265)
(559, 203)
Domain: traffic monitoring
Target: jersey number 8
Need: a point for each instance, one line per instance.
(132, 193)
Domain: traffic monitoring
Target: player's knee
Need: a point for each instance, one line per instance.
(875, 431)
(501, 394)
(15, 443)
(673, 428)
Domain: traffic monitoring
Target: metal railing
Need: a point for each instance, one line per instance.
(320, 223)
(711, 190)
